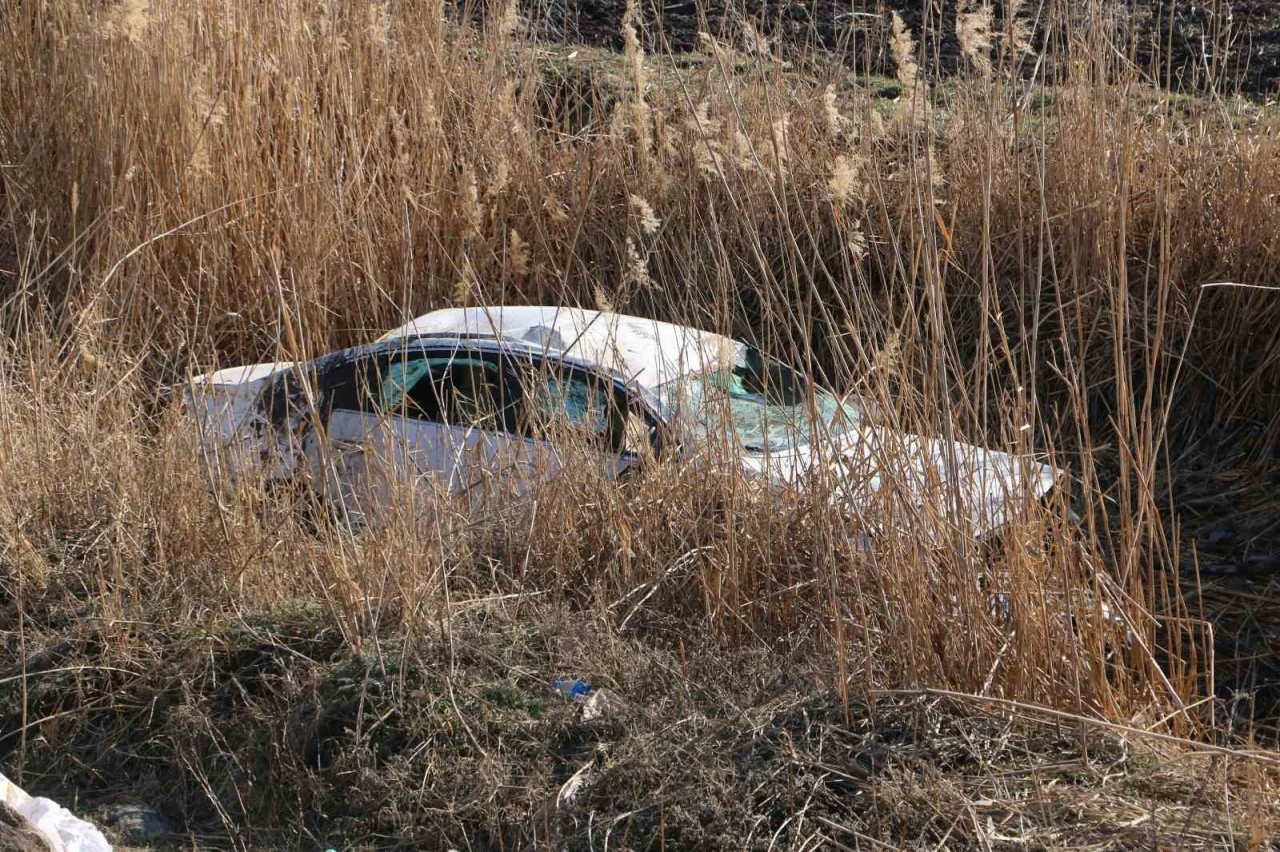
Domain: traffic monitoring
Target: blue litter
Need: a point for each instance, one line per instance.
(574, 690)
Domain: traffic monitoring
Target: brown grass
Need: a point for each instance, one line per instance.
(209, 182)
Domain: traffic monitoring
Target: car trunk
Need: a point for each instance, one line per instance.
(222, 405)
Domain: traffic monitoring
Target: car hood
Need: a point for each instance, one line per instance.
(911, 479)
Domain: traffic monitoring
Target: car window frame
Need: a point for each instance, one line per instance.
(359, 395)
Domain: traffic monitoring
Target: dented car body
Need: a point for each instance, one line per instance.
(492, 398)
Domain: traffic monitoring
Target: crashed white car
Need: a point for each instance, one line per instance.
(480, 398)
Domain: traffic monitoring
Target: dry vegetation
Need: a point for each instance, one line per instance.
(210, 182)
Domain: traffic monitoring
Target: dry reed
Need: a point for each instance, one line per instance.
(195, 184)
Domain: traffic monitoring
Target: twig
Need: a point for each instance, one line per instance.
(29, 675)
(683, 561)
(1238, 284)
(859, 835)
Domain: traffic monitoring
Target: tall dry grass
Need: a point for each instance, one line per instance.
(208, 182)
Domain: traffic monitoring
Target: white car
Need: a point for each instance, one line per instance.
(491, 397)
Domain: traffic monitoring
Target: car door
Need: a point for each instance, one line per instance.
(436, 415)
(570, 412)
(336, 425)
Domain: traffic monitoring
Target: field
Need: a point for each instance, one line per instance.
(1011, 225)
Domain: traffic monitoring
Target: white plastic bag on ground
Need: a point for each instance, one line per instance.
(61, 829)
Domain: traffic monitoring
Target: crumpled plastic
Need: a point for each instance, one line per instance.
(57, 826)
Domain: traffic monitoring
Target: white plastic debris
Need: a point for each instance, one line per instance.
(602, 703)
(57, 826)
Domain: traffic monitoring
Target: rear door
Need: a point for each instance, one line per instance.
(435, 415)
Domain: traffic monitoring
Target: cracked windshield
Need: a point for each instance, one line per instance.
(763, 403)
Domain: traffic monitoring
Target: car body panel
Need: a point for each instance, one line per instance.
(971, 484)
(371, 452)
(223, 405)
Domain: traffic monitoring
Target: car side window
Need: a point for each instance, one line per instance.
(583, 404)
(588, 405)
(471, 392)
(402, 376)
(339, 379)
(458, 389)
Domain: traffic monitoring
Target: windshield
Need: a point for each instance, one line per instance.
(762, 403)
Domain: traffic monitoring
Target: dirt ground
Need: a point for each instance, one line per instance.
(457, 740)
(1234, 45)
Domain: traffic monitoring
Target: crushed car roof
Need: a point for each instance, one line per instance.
(645, 351)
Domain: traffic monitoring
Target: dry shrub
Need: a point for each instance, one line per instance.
(220, 182)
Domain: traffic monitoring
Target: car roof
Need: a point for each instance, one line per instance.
(644, 351)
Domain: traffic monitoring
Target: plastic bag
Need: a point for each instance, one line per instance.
(56, 825)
